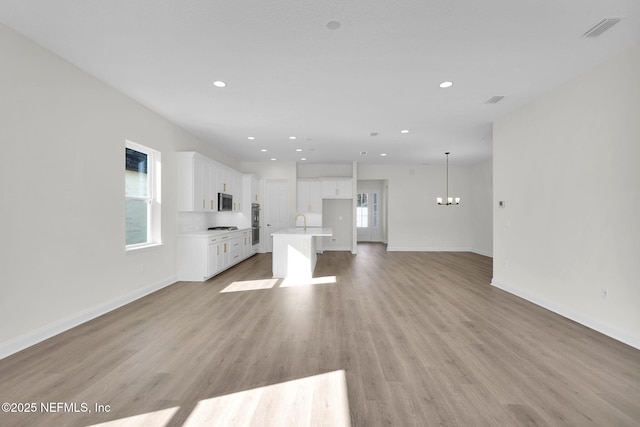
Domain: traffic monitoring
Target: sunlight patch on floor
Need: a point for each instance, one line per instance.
(250, 285)
(253, 285)
(156, 418)
(292, 281)
(316, 400)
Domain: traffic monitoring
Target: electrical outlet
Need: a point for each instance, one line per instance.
(334, 239)
(604, 293)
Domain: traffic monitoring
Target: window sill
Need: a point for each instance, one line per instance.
(143, 247)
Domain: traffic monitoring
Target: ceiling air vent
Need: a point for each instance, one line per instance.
(601, 27)
(494, 100)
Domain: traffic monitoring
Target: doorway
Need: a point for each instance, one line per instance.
(370, 210)
(276, 208)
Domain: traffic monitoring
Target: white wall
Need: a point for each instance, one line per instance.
(62, 136)
(337, 214)
(417, 223)
(305, 170)
(567, 166)
(482, 207)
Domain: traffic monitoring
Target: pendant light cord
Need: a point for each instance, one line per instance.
(447, 199)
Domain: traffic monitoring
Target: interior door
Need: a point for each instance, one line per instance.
(368, 211)
(276, 208)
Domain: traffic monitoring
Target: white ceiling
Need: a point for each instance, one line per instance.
(288, 74)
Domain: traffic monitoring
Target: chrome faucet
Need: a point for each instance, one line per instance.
(304, 218)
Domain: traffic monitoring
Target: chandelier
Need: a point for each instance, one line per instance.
(449, 200)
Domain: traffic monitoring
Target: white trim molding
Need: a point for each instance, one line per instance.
(34, 337)
(481, 252)
(426, 249)
(437, 249)
(623, 336)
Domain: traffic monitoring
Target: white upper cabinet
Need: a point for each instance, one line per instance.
(209, 186)
(223, 180)
(200, 179)
(309, 196)
(250, 189)
(255, 184)
(337, 188)
(196, 183)
(229, 181)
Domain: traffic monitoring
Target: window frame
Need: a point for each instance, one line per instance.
(153, 197)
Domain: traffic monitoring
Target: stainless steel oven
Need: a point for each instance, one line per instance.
(255, 223)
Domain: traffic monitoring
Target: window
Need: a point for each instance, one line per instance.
(142, 196)
(374, 210)
(367, 210)
(362, 210)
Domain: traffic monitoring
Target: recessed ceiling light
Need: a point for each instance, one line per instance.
(298, 149)
(251, 137)
(446, 84)
(219, 83)
(383, 154)
(404, 131)
(333, 25)
(292, 137)
(264, 150)
(273, 158)
(304, 158)
(363, 153)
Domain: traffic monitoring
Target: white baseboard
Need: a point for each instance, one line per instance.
(483, 253)
(34, 337)
(337, 248)
(426, 249)
(608, 330)
(437, 249)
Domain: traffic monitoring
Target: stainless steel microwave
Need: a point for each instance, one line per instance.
(225, 202)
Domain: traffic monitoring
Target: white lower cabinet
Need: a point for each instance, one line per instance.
(202, 255)
(235, 250)
(213, 253)
(247, 244)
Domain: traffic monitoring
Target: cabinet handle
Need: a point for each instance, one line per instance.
(203, 202)
(224, 186)
(225, 248)
(211, 204)
(218, 250)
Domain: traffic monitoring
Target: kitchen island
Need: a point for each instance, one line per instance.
(294, 251)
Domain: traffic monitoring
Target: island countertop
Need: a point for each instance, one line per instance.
(294, 251)
(300, 231)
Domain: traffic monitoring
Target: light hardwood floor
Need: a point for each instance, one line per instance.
(422, 338)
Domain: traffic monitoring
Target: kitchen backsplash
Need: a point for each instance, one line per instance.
(198, 221)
